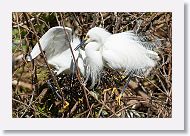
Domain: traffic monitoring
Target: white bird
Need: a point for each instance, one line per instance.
(55, 43)
(121, 51)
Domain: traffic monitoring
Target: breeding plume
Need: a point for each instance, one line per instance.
(121, 51)
(55, 43)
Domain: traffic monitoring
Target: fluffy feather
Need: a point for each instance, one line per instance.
(55, 43)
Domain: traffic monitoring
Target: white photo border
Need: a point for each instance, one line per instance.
(174, 123)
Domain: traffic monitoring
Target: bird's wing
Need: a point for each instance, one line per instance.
(122, 52)
(112, 59)
(55, 41)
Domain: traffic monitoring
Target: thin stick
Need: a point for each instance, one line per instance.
(44, 57)
(77, 69)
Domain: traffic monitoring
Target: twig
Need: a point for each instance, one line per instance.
(22, 52)
(21, 24)
(20, 102)
(80, 114)
(120, 110)
(44, 57)
(77, 72)
(23, 84)
(102, 103)
(56, 16)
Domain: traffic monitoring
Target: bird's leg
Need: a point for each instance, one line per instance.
(65, 104)
(73, 68)
(127, 78)
(53, 89)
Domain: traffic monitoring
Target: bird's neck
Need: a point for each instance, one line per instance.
(94, 55)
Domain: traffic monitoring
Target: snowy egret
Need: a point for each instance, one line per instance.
(121, 51)
(55, 43)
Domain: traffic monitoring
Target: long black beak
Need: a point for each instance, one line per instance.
(80, 45)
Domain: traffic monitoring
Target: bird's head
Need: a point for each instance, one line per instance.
(95, 34)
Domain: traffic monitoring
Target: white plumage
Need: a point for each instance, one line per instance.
(122, 51)
(94, 62)
(55, 43)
